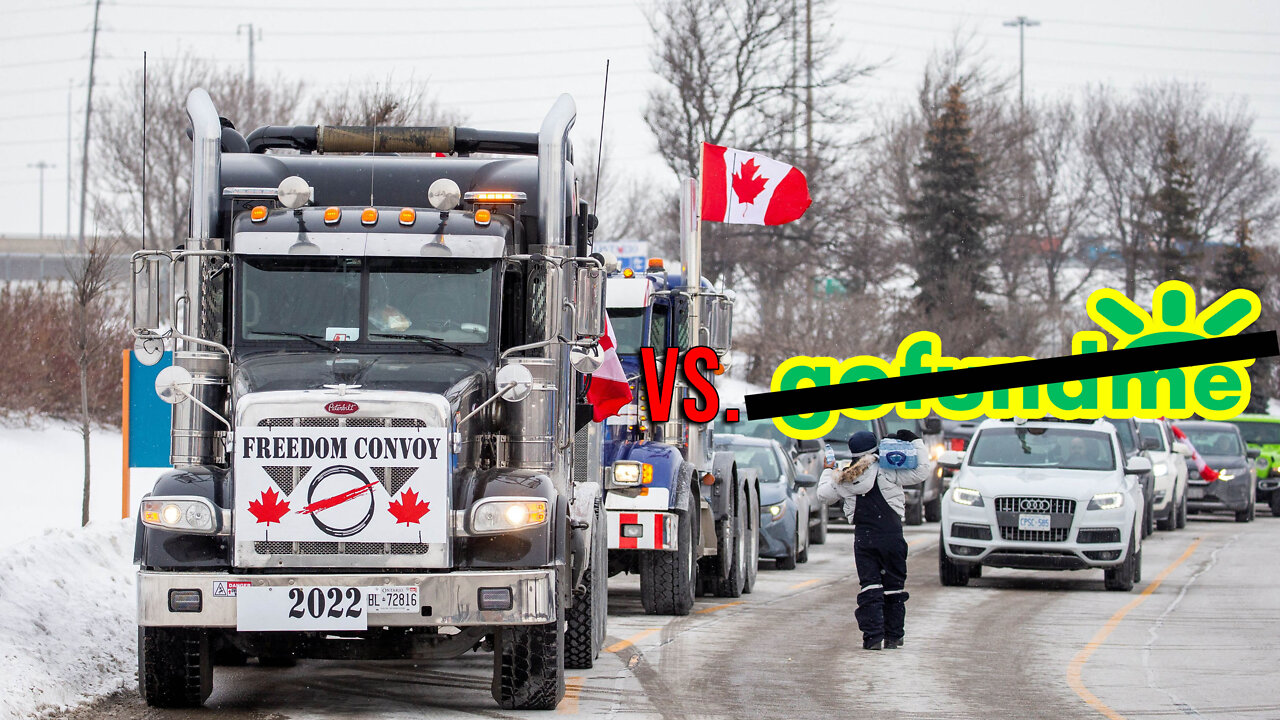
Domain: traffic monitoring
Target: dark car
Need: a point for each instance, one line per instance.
(784, 497)
(1223, 449)
(805, 455)
(1133, 445)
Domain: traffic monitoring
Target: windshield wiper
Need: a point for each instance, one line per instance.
(313, 339)
(425, 339)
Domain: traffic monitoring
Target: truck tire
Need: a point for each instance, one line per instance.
(914, 514)
(528, 666)
(669, 579)
(818, 533)
(733, 586)
(952, 574)
(175, 667)
(585, 631)
(933, 510)
(1122, 577)
(753, 545)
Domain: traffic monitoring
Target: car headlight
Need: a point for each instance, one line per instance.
(188, 514)
(1106, 501)
(629, 473)
(774, 510)
(1225, 475)
(1160, 468)
(495, 515)
(966, 496)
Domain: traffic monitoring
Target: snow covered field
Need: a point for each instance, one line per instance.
(67, 604)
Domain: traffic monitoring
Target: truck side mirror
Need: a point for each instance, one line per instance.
(931, 425)
(589, 302)
(720, 324)
(149, 292)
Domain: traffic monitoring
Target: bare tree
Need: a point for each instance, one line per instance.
(382, 103)
(118, 185)
(90, 283)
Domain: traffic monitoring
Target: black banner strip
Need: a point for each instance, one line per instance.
(1027, 373)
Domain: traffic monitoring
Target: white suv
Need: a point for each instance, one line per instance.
(1043, 495)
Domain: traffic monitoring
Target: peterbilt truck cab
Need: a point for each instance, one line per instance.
(377, 411)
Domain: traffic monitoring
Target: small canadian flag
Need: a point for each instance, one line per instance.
(747, 188)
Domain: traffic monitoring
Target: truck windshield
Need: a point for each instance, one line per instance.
(1037, 447)
(628, 327)
(428, 302)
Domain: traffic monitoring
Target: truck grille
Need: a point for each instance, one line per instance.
(1061, 512)
(1043, 506)
(335, 548)
(340, 422)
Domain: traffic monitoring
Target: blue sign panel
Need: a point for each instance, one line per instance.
(148, 415)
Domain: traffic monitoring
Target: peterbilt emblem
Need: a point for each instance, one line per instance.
(341, 407)
(1033, 505)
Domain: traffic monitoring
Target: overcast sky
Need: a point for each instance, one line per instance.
(501, 63)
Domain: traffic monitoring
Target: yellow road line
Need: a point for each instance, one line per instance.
(806, 583)
(1076, 667)
(714, 608)
(624, 644)
(569, 705)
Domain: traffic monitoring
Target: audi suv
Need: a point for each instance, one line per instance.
(1043, 495)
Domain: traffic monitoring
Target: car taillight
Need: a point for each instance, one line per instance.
(957, 443)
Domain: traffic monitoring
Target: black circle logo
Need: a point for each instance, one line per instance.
(346, 485)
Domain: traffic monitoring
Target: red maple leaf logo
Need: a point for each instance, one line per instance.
(269, 509)
(746, 184)
(408, 509)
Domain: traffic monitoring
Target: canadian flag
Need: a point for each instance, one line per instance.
(1206, 472)
(609, 389)
(747, 188)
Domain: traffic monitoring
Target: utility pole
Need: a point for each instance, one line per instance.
(70, 89)
(41, 166)
(88, 113)
(1022, 22)
(808, 85)
(248, 28)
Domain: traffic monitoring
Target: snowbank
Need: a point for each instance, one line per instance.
(67, 630)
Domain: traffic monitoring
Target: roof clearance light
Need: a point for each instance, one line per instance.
(496, 198)
(628, 272)
(258, 213)
(369, 216)
(332, 215)
(407, 216)
(655, 263)
(482, 217)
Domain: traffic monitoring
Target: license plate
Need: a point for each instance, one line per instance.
(392, 599)
(1195, 493)
(1033, 522)
(314, 607)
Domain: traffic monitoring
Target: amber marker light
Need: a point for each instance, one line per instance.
(407, 216)
(258, 214)
(332, 215)
(369, 216)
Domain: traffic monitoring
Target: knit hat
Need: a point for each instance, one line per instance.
(861, 443)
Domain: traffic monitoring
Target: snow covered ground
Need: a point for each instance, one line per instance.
(67, 604)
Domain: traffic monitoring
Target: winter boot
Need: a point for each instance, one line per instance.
(892, 643)
(873, 644)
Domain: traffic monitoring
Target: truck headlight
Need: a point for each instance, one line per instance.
(629, 473)
(496, 515)
(1106, 501)
(966, 496)
(1160, 468)
(187, 514)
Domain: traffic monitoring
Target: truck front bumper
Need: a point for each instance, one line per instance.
(447, 599)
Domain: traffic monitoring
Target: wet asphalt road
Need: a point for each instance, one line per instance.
(1198, 637)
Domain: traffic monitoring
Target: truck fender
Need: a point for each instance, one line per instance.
(582, 522)
(727, 485)
(536, 547)
(167, 550)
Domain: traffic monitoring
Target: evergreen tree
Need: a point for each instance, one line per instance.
(1174, 215)
(1236, 266)
(952, 258)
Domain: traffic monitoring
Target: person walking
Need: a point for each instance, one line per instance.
(875, 505)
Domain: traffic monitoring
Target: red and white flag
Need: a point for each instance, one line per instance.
(747, 188)
(609, 390)
(1206, 472)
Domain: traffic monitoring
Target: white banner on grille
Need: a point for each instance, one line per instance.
(357, 484)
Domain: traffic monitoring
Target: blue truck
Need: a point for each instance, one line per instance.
(678, 514)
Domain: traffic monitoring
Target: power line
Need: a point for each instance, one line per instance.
(1022, 23)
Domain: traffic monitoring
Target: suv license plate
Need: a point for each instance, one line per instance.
(1033, 522)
